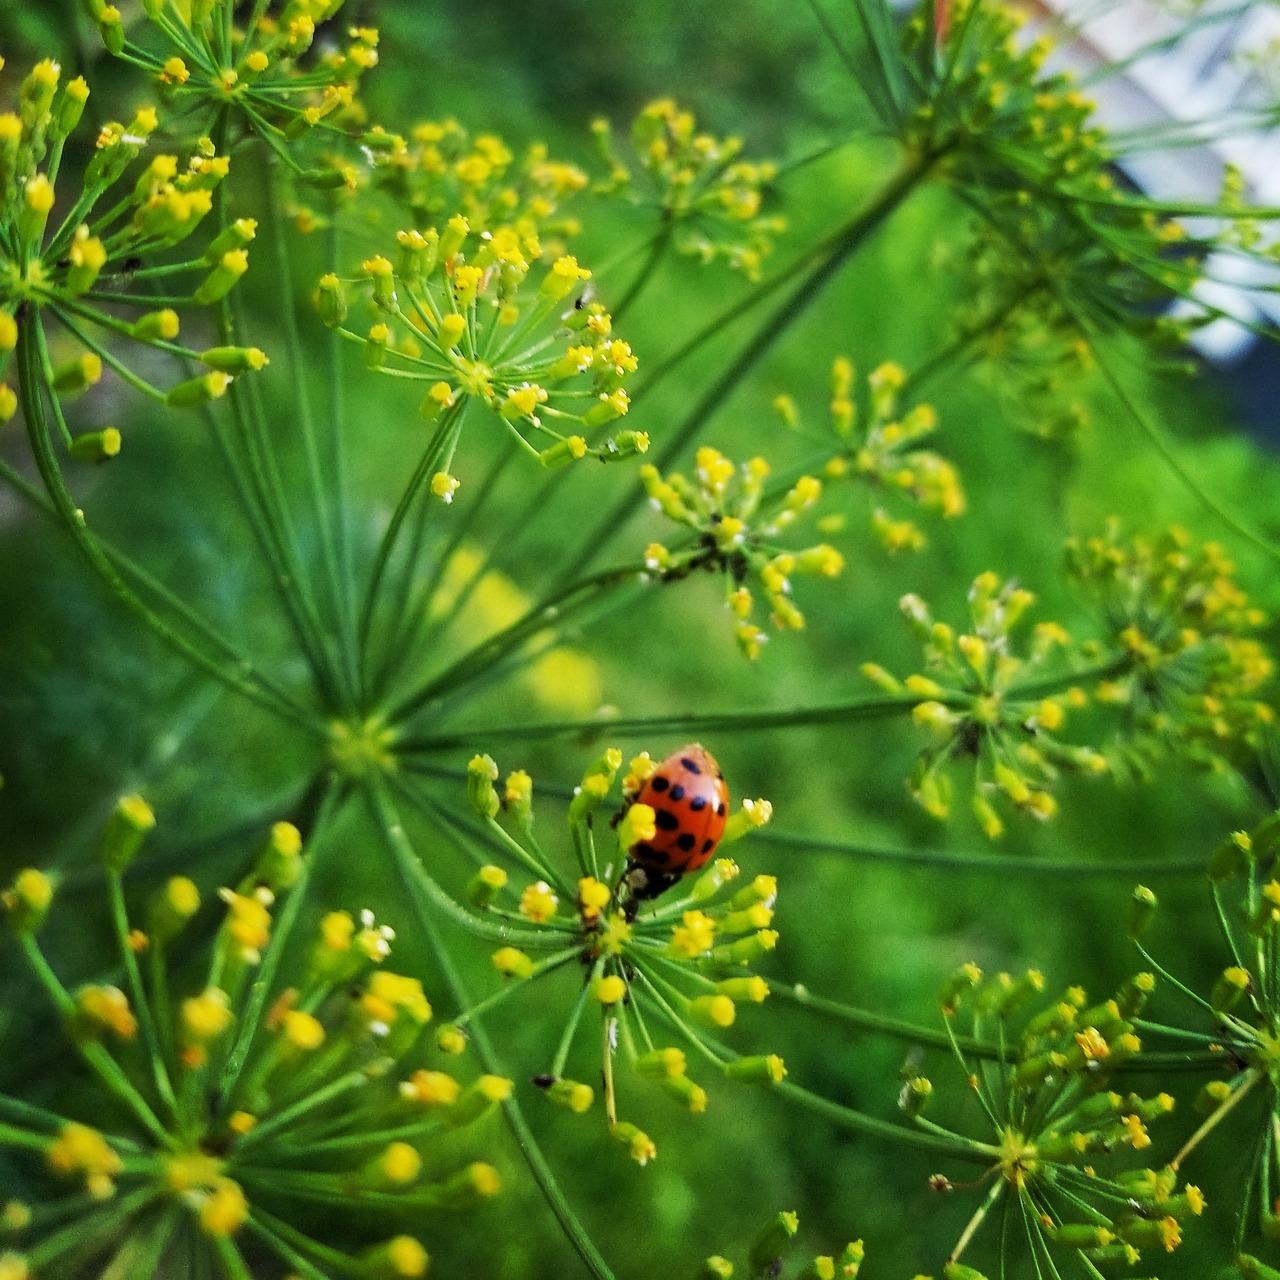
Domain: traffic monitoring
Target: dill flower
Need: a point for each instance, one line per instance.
(1059, 1136)
(220, 1111)
(1197, 679)
(265, 74)
(64, 279)
(709, 200)
(990, 695)
(737, 523)
(676, 968)
(774, 1245)
(471, 314)
(444, 170)
(875, 444)
(1234, 1024)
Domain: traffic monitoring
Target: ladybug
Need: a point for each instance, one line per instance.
(690, 802)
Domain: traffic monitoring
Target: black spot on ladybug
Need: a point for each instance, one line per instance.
(658, 782)
(720, 808)
(677, 793)
(691, 765)
(708, 845)
(686, 842)
(698, 803)
(666, 820)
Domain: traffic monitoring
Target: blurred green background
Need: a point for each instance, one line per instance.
(89, 707)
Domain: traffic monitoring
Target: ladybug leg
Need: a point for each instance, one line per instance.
(641, 884)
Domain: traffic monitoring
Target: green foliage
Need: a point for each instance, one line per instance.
(321, 592)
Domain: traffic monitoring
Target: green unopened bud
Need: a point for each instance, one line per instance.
(375, 346)
(1132, 997)
(716, 1268)
(626, 444)
(197, 391)
(915, 1095)
(279, 862)
(126, 829)
(170, 908)
(401, 1258)
(27, 900)
(851, 1259)
(753, 990)
(1229, 988)
(746, 951)
(511, 962)
(238, 235)
(964, 980)
(156, 326)
(517, 798)
(686, 1092)
(323, 179)
(769, 1246)
(235, 359)
(78, 374)
(69, 107)
(485, 885)
(468, 1187)
(111, 29)
(761, 1068)
(572, 1094)
(96, 446)
(563, 452)
(482, 773)
(659, 1064)
(1142, 910)
(478, 1099)
(331, 300)
(223, 277)
(1212, 1096)
(714, 878)
(1230, 858)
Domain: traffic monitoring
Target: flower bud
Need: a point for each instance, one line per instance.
(170, 909)
(162, 325)
(28, 899)
(659, 1064)
(400, 1258)
(482, 773)
(235, 359)
(279, 862)
(126, 829)
(96, 446)
(1142, 910)
(1229, 988)
(609, 989)
(915, 1094)
(478, 1099)
(238, 235)
(714, 878)
(638, 1143)
(78, 374)
(764, 1068)
(511, 962)
(223, 277)
(766, 1252)
(691, 1096)
(746, 951)
(485, 885)
(197, 391)
(572, 1094)
(713, 1011)
(331, 300)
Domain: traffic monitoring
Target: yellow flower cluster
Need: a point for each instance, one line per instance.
(234, 1098)
(1060, 1135)
(470, 313)
(1196, 678)
(683, 966)
(445, 170)
(711, 200)
(878, 445)
(255, 71)
(737, 522)
(979, 699)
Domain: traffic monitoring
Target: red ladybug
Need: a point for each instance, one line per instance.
(690, 802)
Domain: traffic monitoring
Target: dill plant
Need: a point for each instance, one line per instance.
(234, 1097)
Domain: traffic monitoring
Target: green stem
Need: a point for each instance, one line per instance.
(425, 889)
(1215, 1118)
(250, 1021)
(591, 1257)
(31, 342)
(133, 975)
